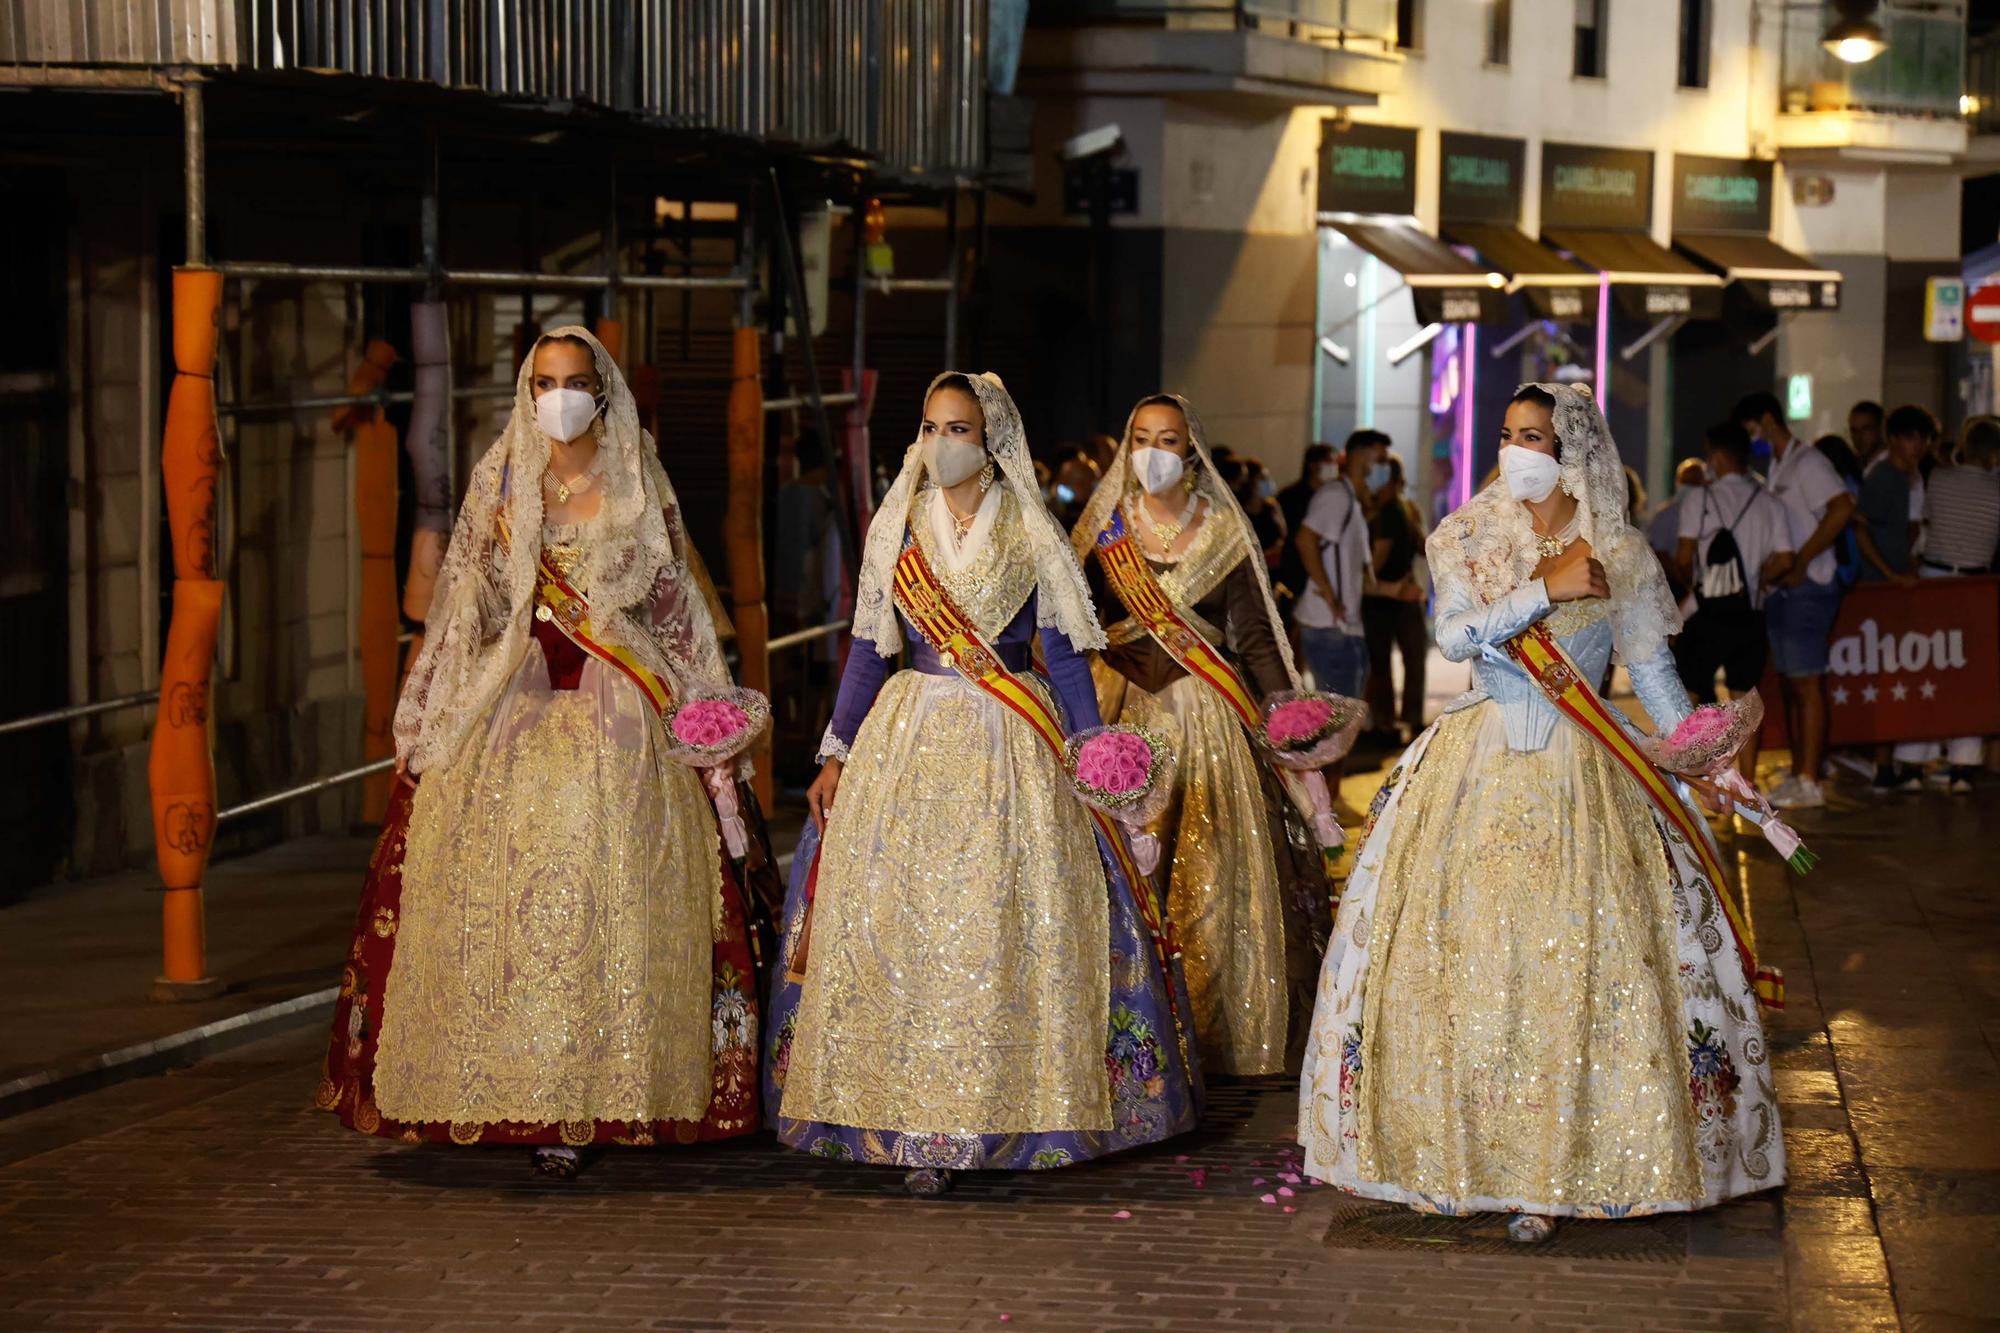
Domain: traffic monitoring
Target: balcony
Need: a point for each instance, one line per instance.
(1905, 102)
(899, 81)
(1296, 52)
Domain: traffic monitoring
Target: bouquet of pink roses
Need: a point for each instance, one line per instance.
(1125, 771)
(1705, 745)
(1305, 730)
(1128, 773)
(707, 731)
(1308, 729)
(715, 726)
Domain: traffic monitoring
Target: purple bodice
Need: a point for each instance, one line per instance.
(1069, 672)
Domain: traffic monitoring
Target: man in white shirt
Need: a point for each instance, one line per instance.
(1734, 538)
(1802, 604)
(1333, 543)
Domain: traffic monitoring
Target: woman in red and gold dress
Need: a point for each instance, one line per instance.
(551, 947)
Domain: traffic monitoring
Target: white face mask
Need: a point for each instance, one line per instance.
(951, 461)
(1529, 475)
(565, 414)
(1157, 469)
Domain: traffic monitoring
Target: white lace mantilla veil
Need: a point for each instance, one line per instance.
(1063, 597)
(1119, 481)
(638, 572)
(1491, 538)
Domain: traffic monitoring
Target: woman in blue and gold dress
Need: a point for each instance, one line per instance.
(1537, 1000)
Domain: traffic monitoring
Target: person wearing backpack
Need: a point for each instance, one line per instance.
(1735, 538)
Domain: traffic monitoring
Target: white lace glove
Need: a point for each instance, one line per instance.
(1145, 849)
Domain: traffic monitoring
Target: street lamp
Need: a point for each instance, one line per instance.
(1855, 37)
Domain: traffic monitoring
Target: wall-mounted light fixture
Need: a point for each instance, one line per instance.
(1855, 36)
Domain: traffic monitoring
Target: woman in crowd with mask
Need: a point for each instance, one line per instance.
(1257, 495)
(1195, 644)
(1535, 1002)
(975, 972)
(551, 947)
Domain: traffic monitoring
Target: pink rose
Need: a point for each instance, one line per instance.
(709, 722)
(1296, 722)
(1705, 724)
(1116, 762)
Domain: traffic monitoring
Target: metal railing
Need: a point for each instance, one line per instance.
(1982, 84)
(901, 80)
(1922, 73)
(798, 637)
(1360, 23)
(77, 712)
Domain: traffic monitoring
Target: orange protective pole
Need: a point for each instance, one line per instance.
(612, 334)
(375, 521)
(180, 769)
(376, 359)
(744, 531)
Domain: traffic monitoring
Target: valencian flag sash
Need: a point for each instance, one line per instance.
(1125, 566)
(1543, 658)
(959, 646)
(560, 604)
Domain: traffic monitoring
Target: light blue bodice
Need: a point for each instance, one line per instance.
(1469, 630)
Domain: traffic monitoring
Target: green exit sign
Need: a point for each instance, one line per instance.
(1798, 397)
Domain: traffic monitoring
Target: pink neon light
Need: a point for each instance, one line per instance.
(1461, 481)
(1603, 375)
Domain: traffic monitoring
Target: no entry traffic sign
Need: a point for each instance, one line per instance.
(1982, 314)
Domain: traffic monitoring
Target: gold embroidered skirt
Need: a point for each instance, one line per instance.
(1523, 1037)
(1224, 894)
(960, 975)
(559, 890)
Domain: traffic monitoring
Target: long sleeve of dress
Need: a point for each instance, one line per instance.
(1250, 632)
(860, 682)
(1465, 626)
(1657, 682)
(1069, 675)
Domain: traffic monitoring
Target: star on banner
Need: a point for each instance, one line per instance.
(1928, 689)
(1869, 694)
(1899, 691)
(1839, 695)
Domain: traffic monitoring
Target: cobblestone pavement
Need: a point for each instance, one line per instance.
(215, 1197)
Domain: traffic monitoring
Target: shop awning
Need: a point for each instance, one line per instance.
(1448, 287)
(1648, 280)
(1555, 287)
(1768, 271)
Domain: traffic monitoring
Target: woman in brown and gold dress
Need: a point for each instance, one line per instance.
(1195, 644)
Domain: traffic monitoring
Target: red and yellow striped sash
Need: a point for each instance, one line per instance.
(1125, 566)
(1538, 652)
(565, 608)
(959, 646)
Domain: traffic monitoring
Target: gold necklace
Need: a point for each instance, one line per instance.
(1169, 532)
(575, 486)
(1551, 545)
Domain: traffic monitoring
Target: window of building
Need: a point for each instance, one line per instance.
(1591, 21)
(1499, 30)
(1694, 43)
(1410, 25)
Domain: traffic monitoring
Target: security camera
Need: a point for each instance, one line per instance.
(1103, 140)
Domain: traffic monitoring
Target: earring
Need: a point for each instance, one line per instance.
(986, 474)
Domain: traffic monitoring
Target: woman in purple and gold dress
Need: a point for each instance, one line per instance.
(974, 971)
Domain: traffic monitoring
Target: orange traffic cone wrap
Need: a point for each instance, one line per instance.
(744, 532)
(180, 769)
(376, 359)
(375, 521)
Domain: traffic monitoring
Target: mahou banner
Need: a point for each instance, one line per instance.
(1909, 664)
